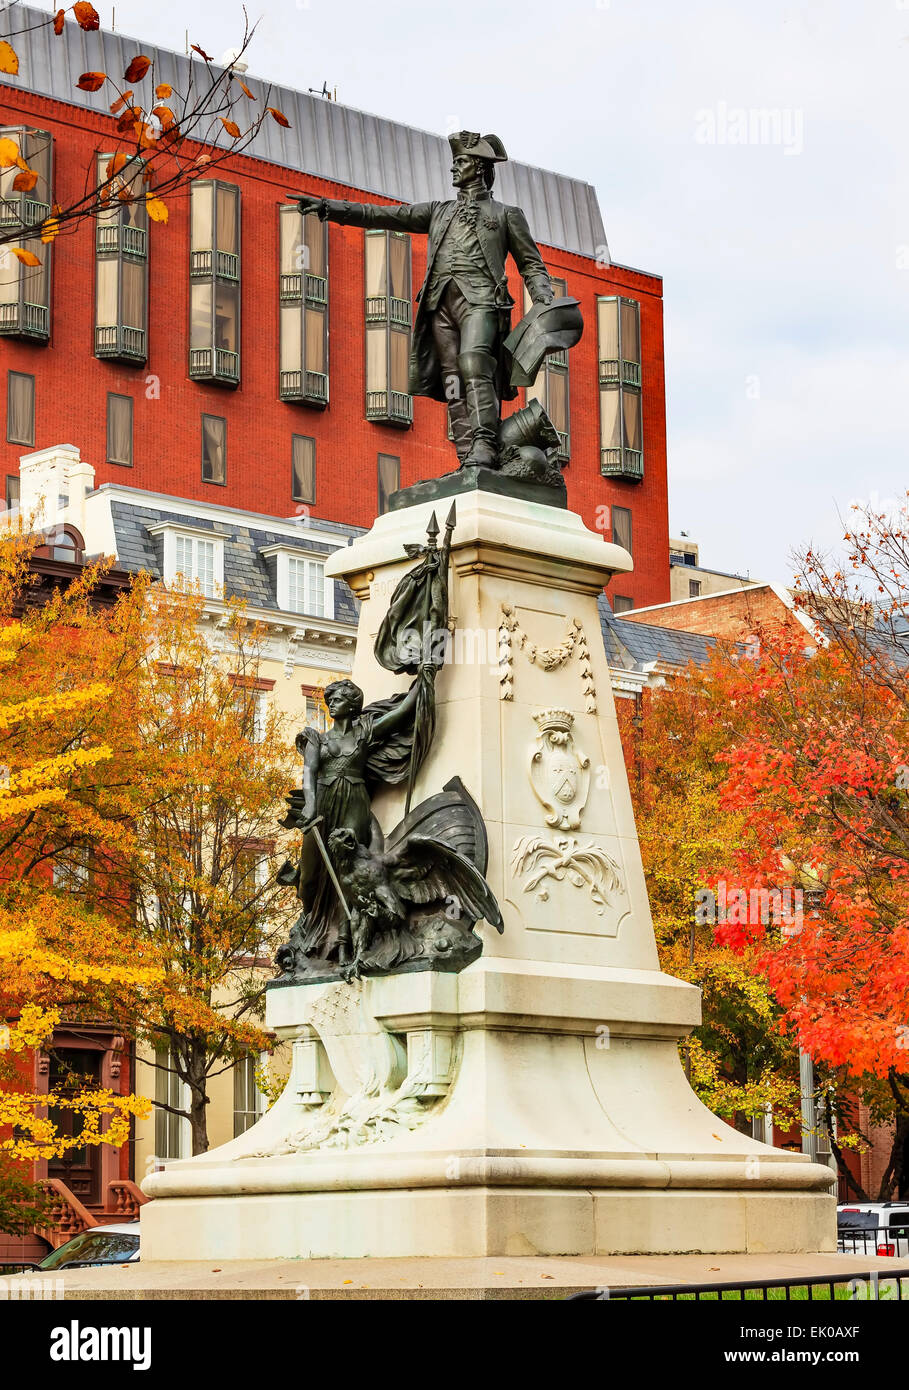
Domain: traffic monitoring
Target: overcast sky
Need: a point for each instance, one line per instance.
(785, 259)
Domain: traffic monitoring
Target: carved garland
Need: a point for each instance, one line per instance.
(511, 634)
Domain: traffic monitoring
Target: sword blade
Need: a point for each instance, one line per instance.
(320, 843)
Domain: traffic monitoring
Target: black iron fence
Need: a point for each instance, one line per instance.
(858, 1238)
(876, 1284)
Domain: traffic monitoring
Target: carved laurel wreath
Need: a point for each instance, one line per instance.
(511, 634)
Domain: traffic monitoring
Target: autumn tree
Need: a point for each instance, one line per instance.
(782, 768)
(208, 769)
(58, 959)
(818, 769)
(161, 137)
(737, 1060)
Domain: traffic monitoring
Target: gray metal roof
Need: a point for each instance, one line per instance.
(326, 139)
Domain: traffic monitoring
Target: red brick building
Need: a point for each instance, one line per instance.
(195, 359)
(730, 615)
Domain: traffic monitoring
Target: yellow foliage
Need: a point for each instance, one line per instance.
(104, 1119)
(45, 706)
(270, 1086)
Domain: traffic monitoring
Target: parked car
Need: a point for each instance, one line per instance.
(115, 1244)
(873, 1228)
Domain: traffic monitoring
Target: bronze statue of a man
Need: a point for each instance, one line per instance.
(464, 307)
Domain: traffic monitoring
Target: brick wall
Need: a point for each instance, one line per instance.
(719, 615)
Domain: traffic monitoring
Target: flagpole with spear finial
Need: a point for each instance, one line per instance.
(426, 637)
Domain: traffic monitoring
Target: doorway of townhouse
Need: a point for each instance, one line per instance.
(71, 1070)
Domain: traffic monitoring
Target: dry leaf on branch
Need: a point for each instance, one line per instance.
(91, 81)
(8, 59)
(86, 15)
(278, 116)
(26, 257)
(130, 120)
(114, 164)
(137, 68)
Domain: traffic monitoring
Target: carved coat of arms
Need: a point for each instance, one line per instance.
(559, 773)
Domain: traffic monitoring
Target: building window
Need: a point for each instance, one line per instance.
(308, 591)
(214, 449)
(171, 1131)
(388, 320)
(303, 468)
(621, 604)
(120, 429)
(194, 559)
(71, 871)
(251, 706)
(25, 289)
(63, 543)
(317, 716)
(389, 479)
(621, 440)
(12, 491)
(248, 1099)
(551, 385)
(694, 588)
(20, 408)
(196, 556)
(121, 265)
(303, 308)
(250, 871)
(621, 528)
(214, 294)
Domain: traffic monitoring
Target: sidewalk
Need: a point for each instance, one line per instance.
(478, 1279)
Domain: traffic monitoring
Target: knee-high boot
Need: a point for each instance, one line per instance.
(477, 371)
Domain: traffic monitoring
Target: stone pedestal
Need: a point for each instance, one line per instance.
(535, 1102)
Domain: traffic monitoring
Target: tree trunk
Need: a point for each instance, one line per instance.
(198, 1097)
(893, 1178)
(843, 1169)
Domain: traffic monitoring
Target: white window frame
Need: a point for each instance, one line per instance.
(193, 536)
(258, 1098)
(259, 711)
(260, 715)
(316, 715)
(284, 554)
(72, 874)
(177, 1093)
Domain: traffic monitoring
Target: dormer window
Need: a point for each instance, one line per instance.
(300, 582)
(306, 587)
(194, 556)
(62, 543)
(195, 560)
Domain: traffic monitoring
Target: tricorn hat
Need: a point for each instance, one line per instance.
(480, 146)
